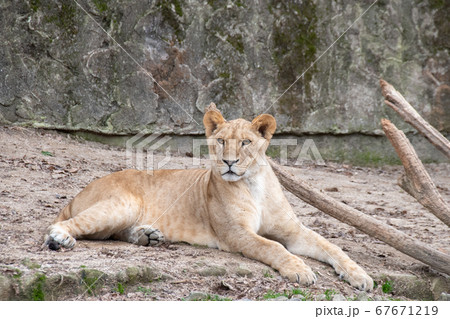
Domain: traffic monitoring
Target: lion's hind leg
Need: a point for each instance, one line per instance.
(100, 221)
(144, 235)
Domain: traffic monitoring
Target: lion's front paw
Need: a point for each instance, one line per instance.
(357, 277)
(299, 272)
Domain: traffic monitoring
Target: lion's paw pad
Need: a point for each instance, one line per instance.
(149, 236)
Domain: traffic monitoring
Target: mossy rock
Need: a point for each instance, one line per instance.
(61, 287)
(196, 296)
(33, 287)
(440, 285)
(243, 272)
(133, 275)
(150, 274)
(5, 288)
(212, 271)
(92, 280)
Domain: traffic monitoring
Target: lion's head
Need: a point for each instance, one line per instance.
(237, 148)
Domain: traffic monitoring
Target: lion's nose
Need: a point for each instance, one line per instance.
(230, 163)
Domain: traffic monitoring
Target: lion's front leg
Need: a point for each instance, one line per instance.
(304, 241)
(271, 253)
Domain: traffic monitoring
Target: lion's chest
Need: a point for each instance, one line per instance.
(257, 189)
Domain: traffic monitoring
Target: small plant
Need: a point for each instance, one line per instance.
(267, 274)
(307, 296)
(329, 294)
(387, 287)
(120, 288)
(296, 291)
(90, 285)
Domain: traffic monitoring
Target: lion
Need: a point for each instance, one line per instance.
(237, 205)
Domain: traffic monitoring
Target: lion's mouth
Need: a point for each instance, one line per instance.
(230, 172)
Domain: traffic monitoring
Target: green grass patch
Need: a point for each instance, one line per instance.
(387, 287)
(37, 292)
(120, 288)
(101, 5)
(329, 293)
(307, 295)
(270, 294)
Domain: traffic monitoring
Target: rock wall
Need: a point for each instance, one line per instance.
(60, 69)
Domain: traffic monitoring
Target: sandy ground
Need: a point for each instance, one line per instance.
(35, 185)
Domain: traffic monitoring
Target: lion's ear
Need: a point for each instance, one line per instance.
(212, 120)
(265, 124)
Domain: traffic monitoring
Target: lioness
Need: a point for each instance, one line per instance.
(237, 205)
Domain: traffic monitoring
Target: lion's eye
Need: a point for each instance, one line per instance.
(246, 142)
(220, 141)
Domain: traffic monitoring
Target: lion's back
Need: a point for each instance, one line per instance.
(158, 187)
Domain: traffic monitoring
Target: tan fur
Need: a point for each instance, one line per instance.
(244, 211)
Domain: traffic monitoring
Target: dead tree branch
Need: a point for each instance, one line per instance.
(363, 222)
(398, 103)
(416, 182)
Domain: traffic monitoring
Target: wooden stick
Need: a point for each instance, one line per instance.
(363, 222)
(398, 103)
(416, 182)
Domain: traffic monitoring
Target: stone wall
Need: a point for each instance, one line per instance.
(59, 69)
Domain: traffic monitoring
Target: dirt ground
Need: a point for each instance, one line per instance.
(41, 171)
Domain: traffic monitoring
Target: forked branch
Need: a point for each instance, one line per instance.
(398, 103)
(416, 180)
